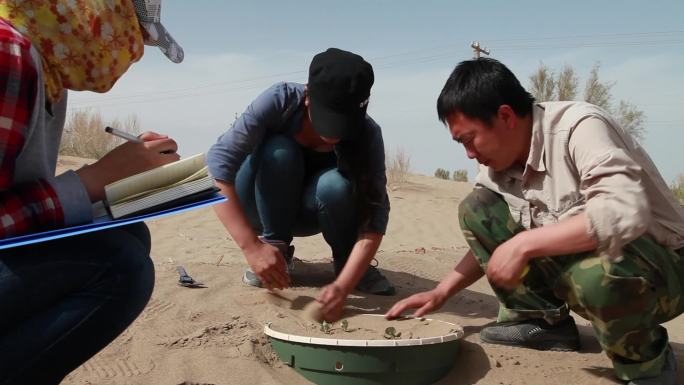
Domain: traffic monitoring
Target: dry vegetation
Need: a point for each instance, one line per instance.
(460, 175)
(442, 174)
(546, 85)
(398, 166)
(677, 188)
(84, 134)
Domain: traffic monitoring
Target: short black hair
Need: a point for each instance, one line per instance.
(478, 87)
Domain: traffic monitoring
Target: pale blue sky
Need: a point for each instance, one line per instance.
(234, 50)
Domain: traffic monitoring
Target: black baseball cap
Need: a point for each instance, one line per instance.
(338, 88)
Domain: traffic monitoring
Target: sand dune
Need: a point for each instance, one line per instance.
(214, 335)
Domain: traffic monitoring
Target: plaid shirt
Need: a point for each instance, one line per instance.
(30, 206)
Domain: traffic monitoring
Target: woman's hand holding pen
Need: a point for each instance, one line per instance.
(130, 158)
(144, 137)
(161, 143)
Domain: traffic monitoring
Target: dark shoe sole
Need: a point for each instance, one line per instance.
(554, 346)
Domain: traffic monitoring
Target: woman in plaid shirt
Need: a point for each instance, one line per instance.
(62, 301)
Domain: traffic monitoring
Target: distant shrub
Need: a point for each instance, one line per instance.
(442, 173)
(398, 166)
(677, 188)
(84, 134)
(460, 175)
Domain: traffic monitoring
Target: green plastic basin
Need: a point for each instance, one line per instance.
(330, 361)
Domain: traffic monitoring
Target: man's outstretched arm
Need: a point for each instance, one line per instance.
(466, 272)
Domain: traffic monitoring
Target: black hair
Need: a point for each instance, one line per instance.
(478, 87)
(354, 159)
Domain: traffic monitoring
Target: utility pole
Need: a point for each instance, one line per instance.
(477, 49)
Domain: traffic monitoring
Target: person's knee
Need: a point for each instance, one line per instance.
(333, 189)
(472, 205)
(131, 267)
(281, 151)
(477, 198)
(141, 233)
(606, 295)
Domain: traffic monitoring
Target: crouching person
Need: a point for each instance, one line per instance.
(302, 160)
(568, 213)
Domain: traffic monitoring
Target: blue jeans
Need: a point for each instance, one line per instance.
(288, 191)
(62, 301)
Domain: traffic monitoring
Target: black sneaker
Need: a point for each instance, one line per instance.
(667, 377)
(535, 334)
(373, 282)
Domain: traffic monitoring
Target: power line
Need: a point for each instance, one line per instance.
(217, 84)
(594, 36)
(665, 122)
(147, 97)
(587, 45)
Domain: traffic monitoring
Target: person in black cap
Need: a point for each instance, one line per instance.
(62, 301)
(307, 159)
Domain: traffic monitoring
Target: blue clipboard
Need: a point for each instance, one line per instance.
(104, 223)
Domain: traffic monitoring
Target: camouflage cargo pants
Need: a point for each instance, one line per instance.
(625, 301)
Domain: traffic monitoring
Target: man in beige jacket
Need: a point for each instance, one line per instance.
(568, 213)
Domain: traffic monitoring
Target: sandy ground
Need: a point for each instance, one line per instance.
(214, 335)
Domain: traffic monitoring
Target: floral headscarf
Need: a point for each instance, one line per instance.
(84, 44)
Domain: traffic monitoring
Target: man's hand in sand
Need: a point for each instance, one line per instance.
(332, 299)
(268, 263)
(425, 302)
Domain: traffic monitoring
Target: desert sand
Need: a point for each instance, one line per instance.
(214, 335)
(365, 327)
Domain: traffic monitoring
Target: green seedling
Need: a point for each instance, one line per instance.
(391, 333)
(344, 325)
(326, 327)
